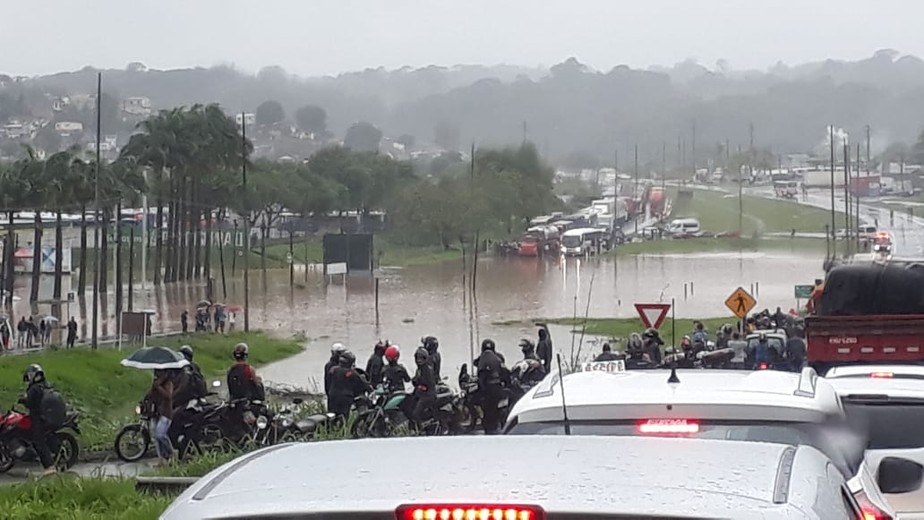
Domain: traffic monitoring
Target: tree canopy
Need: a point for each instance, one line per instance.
(311, 118)
(363, 137)
(270, 112)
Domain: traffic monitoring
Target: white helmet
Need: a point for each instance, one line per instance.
(337, 348)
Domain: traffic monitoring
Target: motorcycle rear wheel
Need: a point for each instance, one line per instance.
(470, 418)
(66, 451)
(6, 460)
(137, 440)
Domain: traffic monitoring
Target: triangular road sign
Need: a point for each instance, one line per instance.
(652, 314)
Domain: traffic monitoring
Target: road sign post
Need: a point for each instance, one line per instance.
(652, 314)
(740, 302)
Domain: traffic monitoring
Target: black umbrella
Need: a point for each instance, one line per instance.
(203, 303)
(155, 358)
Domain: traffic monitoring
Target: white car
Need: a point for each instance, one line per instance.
(760, 406)
(517, 478)
(888, 401)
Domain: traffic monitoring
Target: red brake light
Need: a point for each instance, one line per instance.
(668, 426)
(763, 366)
(881, 375)
(469, 512)
(868, 511)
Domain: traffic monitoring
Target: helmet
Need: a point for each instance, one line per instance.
(727, 329)
(651, 332)
(487, 344)
(430, 343)
(527, 346)
(187, 352)
(421, 356)
(33, 374)
(392, 353)
(346, 359)
(336, 349)
(241, 350)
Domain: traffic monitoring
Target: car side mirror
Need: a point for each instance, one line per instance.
(898, 475)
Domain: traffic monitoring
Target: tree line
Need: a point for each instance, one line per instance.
(190, 163)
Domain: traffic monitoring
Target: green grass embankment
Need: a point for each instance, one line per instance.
(105, 393)
(618, 330)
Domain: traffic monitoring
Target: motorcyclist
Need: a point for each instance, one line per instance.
(243, 381)
(608, 354)
(424, 386)
(761, 353)
(394, 375)
(41, 412)
(544, 347)
(436, 360)
(723, 336)
(653, 344)
(490, 378)
(740, 347)
(795, 350)
(335, 350)
(700, 336)
(345, 385)
(528, 349)
(189, 385)
(376, 363)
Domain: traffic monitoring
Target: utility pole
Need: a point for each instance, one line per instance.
(867, 150)
(847, 205)
(246, 222)
(663, 164)
(94, 338)
(833, 223)
(693, 148)
(856, 198)
(616, 170)
(901, 173)
(636, 171)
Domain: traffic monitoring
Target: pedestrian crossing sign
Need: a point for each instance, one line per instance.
(740, 302)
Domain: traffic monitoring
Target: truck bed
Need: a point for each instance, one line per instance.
(864, 339)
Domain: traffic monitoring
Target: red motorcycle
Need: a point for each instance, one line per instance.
(16, 441)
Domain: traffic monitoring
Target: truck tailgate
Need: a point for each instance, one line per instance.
(884, 338)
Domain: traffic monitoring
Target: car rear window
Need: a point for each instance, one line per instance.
(889, 425)
(836, 440)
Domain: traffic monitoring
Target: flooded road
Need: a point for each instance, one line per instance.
(430, 300)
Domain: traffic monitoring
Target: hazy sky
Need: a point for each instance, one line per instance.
(311, 37)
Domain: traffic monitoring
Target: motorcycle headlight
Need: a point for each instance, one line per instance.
(262, 422)
(286, 423)
(138, 410)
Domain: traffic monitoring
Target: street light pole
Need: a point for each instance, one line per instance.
(246, 222)
(99, 119)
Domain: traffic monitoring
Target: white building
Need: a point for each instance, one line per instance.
(137, 106)
(68, 127)
(249, 119)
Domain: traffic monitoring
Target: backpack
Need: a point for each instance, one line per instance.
(197, 386)
(54, 409)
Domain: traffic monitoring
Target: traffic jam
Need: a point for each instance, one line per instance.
(833, 432)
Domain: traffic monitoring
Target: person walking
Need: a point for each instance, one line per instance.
(230, 322)
(184, 321)
(71, 332)
(22, 329)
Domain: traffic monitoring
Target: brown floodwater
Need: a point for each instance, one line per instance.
(430, 300)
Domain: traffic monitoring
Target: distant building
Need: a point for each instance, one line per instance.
(15, 130)
(66, 128)
(83, 101)
(60, 103)
(137, 106)
(249, 119)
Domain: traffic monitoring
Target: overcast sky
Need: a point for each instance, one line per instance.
(312, 37)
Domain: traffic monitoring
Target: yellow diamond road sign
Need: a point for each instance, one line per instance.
(740, 302)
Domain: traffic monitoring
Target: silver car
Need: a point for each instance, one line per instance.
(521, 478)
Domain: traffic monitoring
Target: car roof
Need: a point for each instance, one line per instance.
(892, 387)
(766, 395)
(580, 474)
(867, 370)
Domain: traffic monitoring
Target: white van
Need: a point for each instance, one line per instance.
(685, 226)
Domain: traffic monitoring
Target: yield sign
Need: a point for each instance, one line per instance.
(652, 314)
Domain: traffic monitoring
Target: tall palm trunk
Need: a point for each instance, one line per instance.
(158, 241)
(263, 232)
(59, 255)
(207, 263)
(197, 235)
(103, 254)
(82, 277)
(10, 258)
(118, 260)
(36, 257)
(189, 235)
(180, 257)
(169, 275)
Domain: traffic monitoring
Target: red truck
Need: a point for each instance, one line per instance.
(868, 314)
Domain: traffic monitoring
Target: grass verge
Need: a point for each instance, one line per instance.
(105, 393)
(619, 329)
(67, 497)
(720, 245)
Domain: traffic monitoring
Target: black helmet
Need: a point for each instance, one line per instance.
(487, 344)
(241, 350)
(346, 359)
(187, 352)
(651, 332)
(430, 343)
(421, 356)
(34, 374)
(527, 346)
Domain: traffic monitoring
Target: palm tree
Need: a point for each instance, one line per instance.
(32, 170)
(13, 190)
(61, 172)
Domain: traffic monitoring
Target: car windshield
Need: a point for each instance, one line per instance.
(890, 424)
(774, 342)
(572, 241)
(833, 439)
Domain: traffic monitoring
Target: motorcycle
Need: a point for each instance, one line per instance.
(16, 441)
(384, 417)
(134, 440)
